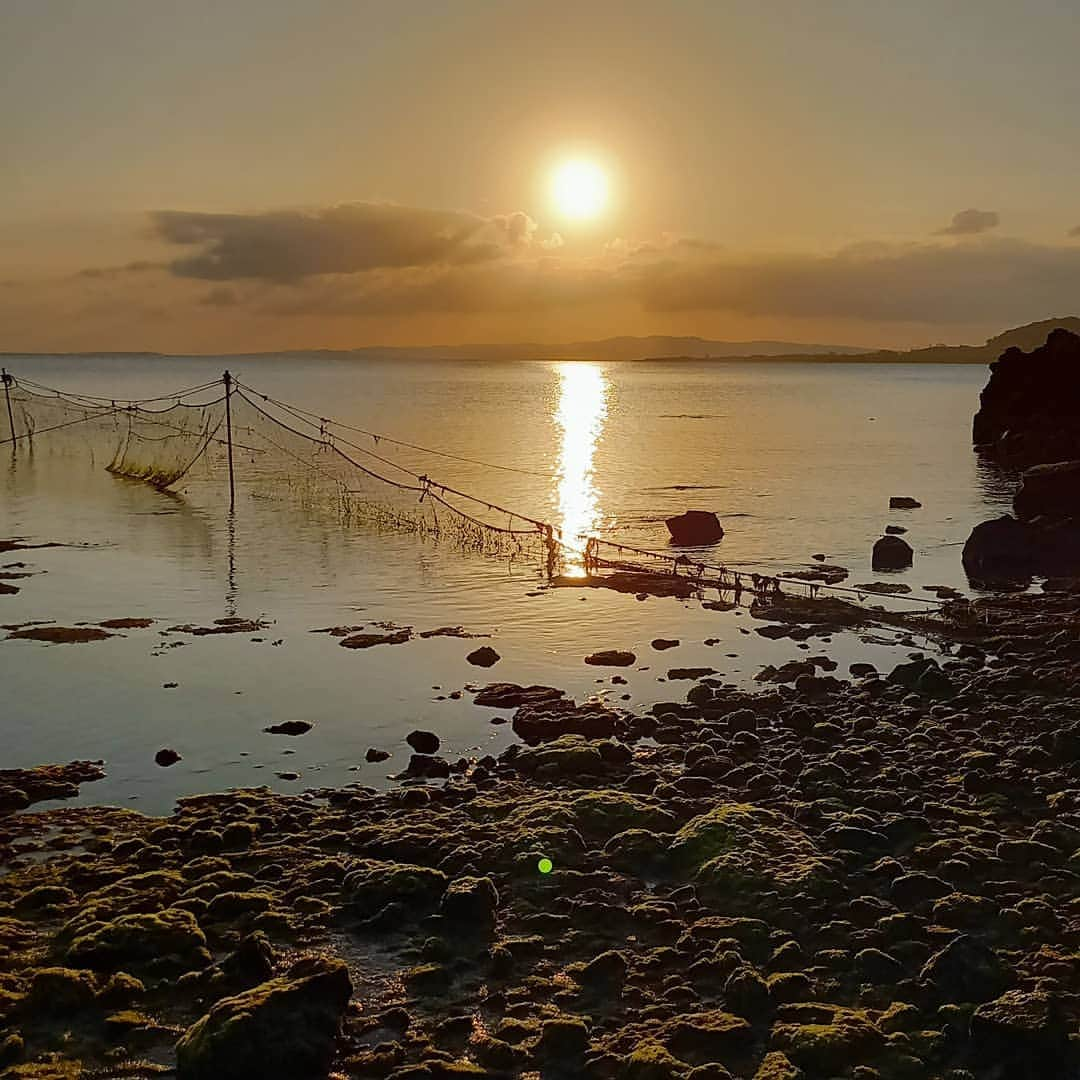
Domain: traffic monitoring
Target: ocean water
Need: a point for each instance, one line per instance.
(797, 458)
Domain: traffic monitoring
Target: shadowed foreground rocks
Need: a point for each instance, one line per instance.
(865, 879)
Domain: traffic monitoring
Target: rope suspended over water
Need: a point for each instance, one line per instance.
(281, 450)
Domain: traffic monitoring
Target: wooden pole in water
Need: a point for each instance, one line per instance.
(7, 394)
(228, 436)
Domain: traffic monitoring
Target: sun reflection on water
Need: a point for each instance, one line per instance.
(579, 415)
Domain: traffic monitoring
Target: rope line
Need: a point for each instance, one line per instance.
(379, 437)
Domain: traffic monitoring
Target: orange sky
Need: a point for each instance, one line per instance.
(262, 174)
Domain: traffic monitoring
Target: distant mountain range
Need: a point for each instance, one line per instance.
(662, 347)
(1027, 337)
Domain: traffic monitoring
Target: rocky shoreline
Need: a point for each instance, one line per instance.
(867, 878)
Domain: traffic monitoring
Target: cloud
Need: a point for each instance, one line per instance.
(970, 223)
(993, 281)
(517, 227)
(998, 281)
(289, 245)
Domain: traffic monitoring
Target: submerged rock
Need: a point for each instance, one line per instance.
(60, 635)
(904, 502)
(485, 657)
(611, 658)
(166, 757)
(695, 528)
(367, 641)
(289, 727)
(283, 1029)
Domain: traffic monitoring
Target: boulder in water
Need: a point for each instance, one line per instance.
(695, 528)
(1049, 491)
(892, 553)
(1004, 550)
(904, 502)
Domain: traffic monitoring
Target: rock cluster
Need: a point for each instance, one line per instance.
(874, 879)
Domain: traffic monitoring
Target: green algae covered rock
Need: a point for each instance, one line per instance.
(470, 903)
(169, 939)
(569, 755)
(738, 846)
(371, 884)
(825, 1049)
(777, 1066)
(651, 1061)
(59, 991)
(283, 1029)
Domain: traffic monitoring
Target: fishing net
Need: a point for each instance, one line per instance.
(291, 454)
(280, 451)
(155, 440)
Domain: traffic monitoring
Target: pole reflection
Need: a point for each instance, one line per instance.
(580, 413)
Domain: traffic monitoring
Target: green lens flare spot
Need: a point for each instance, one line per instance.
(545, 865)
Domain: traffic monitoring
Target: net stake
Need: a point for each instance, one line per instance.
(227, 379)
(7, 394)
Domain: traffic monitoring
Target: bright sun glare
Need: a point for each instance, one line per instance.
(580, 188)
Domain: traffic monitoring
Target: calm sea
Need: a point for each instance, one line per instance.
(797, 458)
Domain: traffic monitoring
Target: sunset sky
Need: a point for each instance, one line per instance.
(260, 174)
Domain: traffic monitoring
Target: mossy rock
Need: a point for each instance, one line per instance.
(230, 906)
(568, 755)
(778, 1066)
(60, 991)
(707, 1036)
(828, 1048)
(169, 939)
(283, 1029)
(738, 848)
(652, 1061)
(371, 884)
(605, 813)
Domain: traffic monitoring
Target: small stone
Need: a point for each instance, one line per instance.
(375, 755)
(166, 757)
(484, 657)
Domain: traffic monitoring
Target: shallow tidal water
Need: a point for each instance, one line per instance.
(796, 458)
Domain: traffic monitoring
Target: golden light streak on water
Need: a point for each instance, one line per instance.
(579, 414)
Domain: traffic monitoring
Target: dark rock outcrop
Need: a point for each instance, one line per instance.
(1030, 408)
(694, 528)
(1006, 550)
(1049, 491)
(892, 553)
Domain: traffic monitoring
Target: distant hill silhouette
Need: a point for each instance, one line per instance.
(1027, 337)
(662, 347)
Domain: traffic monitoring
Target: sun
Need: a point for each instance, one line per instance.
(580, 189)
